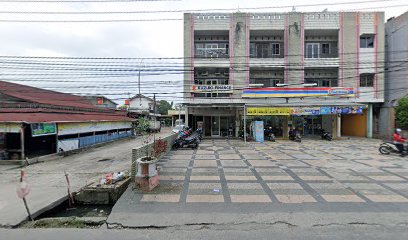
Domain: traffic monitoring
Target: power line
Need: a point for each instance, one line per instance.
(176, 11)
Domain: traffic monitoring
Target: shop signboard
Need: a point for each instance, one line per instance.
(259, 131)
(297, 92)
(346, 110)
(10, 127)
(212, 88)
(306, 111)
(75, 128)
(268, 111)
(325, 110)
(42, 129)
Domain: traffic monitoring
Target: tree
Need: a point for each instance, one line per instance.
(401, 113)
(164, 106)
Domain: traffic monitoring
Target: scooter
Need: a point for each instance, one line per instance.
(387, 148)
(295, 136)
(189, 142)
(326, 135)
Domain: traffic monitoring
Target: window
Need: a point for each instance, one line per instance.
(275, 49)
(367, 80)
(264, 50)
(312, 50)
(266, 82)
(367, 41)
(325, 48)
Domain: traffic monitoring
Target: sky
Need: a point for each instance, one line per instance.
(159, 39)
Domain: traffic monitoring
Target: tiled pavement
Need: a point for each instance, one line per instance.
(283, 172)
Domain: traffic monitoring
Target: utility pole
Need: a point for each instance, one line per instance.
(140, 97)
(154, 114)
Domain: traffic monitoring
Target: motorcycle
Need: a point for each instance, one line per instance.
(188, 142)
(326, 135)
(295, 136)
(387, 148)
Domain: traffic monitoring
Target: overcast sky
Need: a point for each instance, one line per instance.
(160, 39)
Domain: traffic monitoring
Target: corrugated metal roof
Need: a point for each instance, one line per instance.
(42, 96)
(36, 115)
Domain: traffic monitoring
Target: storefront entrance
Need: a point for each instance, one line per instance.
(217, 126)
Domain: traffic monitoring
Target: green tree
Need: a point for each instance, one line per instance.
(164, 106)
(401, 113)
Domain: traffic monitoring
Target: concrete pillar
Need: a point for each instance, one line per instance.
(338, 125)
(370, 121)
(186, 117)
(22, 143)
(285, 128)
(237, 122)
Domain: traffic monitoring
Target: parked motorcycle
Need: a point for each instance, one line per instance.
(295, 136)
(387, 148)
(325, 135)
(189, 142)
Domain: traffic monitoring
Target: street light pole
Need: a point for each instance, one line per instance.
(140, 96)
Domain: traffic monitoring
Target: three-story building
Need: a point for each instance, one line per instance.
(290, 70)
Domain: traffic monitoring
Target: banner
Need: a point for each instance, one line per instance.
(306, 111)
(268, 111)
(10, 127)
(67, 145)
(297, 92)
(42, 129)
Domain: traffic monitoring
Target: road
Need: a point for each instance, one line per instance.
(47, 180)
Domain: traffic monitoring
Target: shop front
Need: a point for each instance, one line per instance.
(308, 121)
(215, 122)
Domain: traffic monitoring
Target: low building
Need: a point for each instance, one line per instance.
(140, 105)
(36, 122)
(102, 102)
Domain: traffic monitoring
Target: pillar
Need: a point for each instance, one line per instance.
(186, 117)
(22, 143)
(237, 122)
(370, 121)
(286, 128)
(338, 125)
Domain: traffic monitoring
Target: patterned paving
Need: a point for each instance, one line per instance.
(228, 171)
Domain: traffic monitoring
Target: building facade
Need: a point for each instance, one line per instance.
(396, 86)
(36, 122)
(290, 70)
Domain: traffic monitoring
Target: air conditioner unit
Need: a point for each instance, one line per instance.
(204, 73)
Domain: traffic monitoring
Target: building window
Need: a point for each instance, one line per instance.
(312, 50)
(264, 50)
(275, 49)
(326, 48)
(265, 82)
(367, 41)
(367, 80)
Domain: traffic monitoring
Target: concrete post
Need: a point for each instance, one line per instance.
(370, 121)
(186, 116)
(338, 125)
(237, 122)
(22, 143)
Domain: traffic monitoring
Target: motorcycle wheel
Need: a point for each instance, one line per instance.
(329, 138)
(384, 150)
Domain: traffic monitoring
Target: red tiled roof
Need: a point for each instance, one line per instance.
(42, 96)
(37, 115)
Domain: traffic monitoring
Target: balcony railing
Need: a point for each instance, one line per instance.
(211, 53)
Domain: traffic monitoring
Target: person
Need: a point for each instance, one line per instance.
(399, 140)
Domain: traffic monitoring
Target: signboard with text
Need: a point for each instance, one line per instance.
(265, 111)
(287, 92)
(212, 88)
(42, 129)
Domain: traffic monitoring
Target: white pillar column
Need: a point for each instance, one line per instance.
(370, 121)
(338, 116)
(186, 116)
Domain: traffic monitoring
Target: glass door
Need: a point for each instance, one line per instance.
(215, 125)
(312, 50)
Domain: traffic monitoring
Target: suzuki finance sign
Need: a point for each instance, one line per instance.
(211, 88)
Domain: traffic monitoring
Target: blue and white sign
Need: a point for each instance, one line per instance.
(259, 131)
